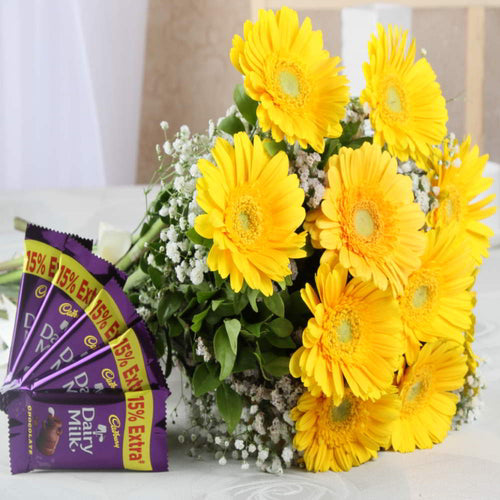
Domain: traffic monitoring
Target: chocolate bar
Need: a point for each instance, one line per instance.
(84, 388)
(58, 430)
(79, 278)
(128, 363)
(42, 249)
(107, 316)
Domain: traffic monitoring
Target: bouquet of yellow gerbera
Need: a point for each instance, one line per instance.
(309, 261)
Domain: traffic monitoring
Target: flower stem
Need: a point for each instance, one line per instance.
(135, 253)
(12, 277)
(11, 265)
(20, 224)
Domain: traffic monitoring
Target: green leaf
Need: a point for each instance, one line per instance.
(246, 106)
(205, 379)
(332, 147)
(169, 304)
(348, 132)
(198, 320)
(275, 304)
(156, 277)
(281, 327)
(198, 239)
(174, 327)
(281, 342)
(216, 304)
(143, 263)
(230, 405)
(233, 328)
(258, 356)
(204, 296)
(357, 143)
(231, 125)
(273, 147)
(240, 301)
(252, 298)
(146, 226)
(245, 360)
(253, 328)
(276, 365)
(223, 352)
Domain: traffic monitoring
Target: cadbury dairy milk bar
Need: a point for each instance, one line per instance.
(42, 249)
(58, 430)
(108, 316)
(128, 363)
(79, 278)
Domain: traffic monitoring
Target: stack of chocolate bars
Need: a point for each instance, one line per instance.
(84, 388)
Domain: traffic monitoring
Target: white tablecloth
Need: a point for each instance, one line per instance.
(465, 466)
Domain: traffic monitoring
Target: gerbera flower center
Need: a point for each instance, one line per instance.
(341, 421)
(364, 223)
(289, 83)
(342, 331)
(450, 205)
(394, 107)
(342, 412)
(420, 298)
(393, 99)
(245, 220)
(414, 392)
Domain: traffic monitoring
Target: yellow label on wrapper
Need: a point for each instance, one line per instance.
(40, 259)
(136, 448)
(106, 316)
(130, 362)
(74, 280)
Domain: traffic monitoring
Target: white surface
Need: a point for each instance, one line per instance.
(465, 466)
(358, 24)
(70, 91)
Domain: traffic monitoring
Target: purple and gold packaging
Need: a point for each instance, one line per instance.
(117, 430)
(42, 249)
(128, 363)
(84, 388)
(107, 316)
(79, 278)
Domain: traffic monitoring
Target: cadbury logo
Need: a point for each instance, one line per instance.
(90, 341)
(109, 377)
(41, 291)
(114, 425)
(67, 310)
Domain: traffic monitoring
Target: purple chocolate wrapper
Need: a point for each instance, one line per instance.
(87, 431)
(89, 332)
(42, 249)
(80, 276)
(128, 363)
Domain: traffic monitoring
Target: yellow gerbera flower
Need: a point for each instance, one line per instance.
(407, 110)
(458, 187)
(339, 436)
(437, 301)
(369, 217)
(428, 404)
(252, 209)
(296, 82)
(355, 333)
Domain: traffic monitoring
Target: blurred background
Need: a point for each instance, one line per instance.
(84, 84)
